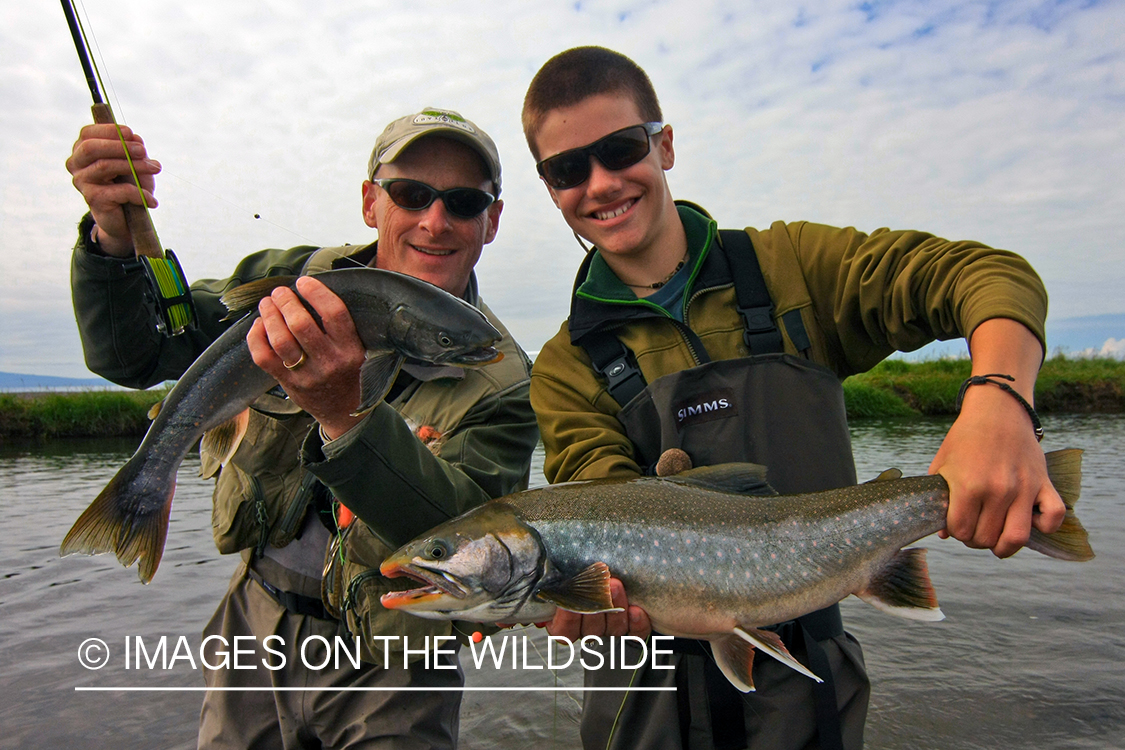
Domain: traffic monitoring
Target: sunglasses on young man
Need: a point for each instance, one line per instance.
(462, 202)
(618, 150)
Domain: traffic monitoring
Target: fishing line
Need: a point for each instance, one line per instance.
(90, 37)
(257, 216)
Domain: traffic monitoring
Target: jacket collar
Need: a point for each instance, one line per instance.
(601, 301)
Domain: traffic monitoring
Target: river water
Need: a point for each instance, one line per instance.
(1031, 654)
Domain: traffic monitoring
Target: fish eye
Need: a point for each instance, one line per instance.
(445, 339)
(437, 549)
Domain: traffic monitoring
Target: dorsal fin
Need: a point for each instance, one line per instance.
(886, 476)
(245, 297)
(735, 478)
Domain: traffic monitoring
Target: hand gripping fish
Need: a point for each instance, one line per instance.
(396, 316)
(700, 557)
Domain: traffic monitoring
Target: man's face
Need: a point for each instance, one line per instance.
(623, 212)
(431, 244)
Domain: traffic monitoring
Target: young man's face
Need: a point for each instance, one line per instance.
(623, 212)
(431, 244)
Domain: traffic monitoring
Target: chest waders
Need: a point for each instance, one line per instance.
(769, 408)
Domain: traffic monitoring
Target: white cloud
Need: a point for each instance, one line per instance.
(1113, 348)
(996, 121)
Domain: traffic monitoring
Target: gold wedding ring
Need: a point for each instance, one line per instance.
(296, 364)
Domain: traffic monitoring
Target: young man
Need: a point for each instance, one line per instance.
(668, 313)
(443, 440)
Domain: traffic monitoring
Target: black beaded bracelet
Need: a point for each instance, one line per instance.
(982, 379)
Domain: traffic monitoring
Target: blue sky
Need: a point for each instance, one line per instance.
(994, 121)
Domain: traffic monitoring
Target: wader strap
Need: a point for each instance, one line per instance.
(297, 604)
(615, 363)
(754, 304)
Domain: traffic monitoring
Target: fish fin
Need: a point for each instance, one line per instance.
(121, 521)
(1070, 542)
(376, 378)
(886, 476)
(220, 443)
(735, 659)
(903, 588)
(245, 297)
(770, 643)
(154, 410)
(735, 478)
(587, 592)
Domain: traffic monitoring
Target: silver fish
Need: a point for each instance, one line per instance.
(396, 316)
(700, 557)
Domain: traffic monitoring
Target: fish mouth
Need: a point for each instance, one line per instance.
(435, 583)
(486, 355)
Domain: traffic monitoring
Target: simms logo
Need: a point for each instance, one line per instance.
(705, 407)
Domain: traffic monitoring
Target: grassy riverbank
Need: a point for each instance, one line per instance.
(898, 388)
(76, 413)
(893, 388)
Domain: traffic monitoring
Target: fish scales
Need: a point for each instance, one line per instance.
(710, 553)
(734, 556)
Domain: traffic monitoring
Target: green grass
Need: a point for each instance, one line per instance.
(897, 388)
(77, 414)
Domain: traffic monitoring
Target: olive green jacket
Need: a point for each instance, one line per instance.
(861, 297)
(449, 440)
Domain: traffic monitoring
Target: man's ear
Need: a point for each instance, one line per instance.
(370, 217)
(493, 219)
(667, 153)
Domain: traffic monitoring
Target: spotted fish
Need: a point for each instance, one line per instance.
(703, 559)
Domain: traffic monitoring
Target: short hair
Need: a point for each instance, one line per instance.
(579, 73)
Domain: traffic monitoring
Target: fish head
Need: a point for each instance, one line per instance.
(447, 331)
(480, 567)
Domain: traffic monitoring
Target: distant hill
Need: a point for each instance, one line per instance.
(11, 381)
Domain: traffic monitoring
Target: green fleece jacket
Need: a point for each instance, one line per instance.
(861, 297)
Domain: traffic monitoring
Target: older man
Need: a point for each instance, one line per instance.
(442, 441)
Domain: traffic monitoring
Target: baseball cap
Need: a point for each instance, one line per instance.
(432, 121)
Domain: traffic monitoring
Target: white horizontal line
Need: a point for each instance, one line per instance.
(369, 689)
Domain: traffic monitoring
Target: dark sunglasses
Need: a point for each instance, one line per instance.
(463, 202)
(618, 150)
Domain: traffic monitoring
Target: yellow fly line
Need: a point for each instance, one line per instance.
(177, 312)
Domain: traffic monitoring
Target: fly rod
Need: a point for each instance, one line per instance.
(177, 311)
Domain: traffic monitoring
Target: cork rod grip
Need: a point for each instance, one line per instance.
(145, 241)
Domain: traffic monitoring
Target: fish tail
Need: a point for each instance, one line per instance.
(1070, 542)
(125, 520)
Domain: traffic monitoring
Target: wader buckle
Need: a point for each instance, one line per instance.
(761, 334)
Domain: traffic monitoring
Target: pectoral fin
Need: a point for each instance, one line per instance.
(770, 643)
(220, 443)
(376, 378)
(903, 588)
(735, 658)
(587, 592)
